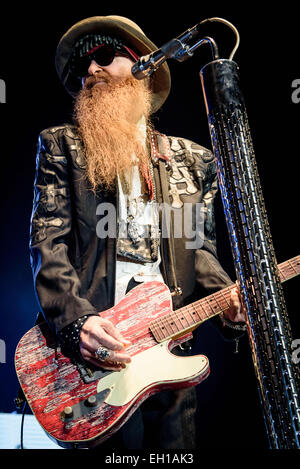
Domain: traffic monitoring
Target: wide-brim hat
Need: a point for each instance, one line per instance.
(120, 27)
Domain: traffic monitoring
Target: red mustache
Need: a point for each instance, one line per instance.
(91, 80)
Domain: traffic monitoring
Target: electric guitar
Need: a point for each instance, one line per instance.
(79, 405)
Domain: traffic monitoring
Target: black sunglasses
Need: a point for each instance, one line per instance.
(103, 55)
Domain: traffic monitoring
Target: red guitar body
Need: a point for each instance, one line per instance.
(80, 407)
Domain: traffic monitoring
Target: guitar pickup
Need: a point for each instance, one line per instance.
(88, 373)
(84, 407)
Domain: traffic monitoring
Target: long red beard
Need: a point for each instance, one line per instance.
(106, 116)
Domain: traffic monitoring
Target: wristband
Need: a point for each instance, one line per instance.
(70, 335)
(238, 326)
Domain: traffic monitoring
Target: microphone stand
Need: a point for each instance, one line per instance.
(253, 253)
(254, 258)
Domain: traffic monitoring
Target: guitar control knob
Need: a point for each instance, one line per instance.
(67, 412)
(91, 401)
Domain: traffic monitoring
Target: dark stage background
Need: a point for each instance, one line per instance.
(229, 414)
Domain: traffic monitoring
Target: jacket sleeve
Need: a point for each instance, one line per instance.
(209, 272)
(56, 282)
(210, 275)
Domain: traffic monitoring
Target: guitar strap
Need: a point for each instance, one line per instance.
(161, 156)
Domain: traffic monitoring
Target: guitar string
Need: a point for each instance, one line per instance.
(154, 326)
(165, 322)
(285, 268)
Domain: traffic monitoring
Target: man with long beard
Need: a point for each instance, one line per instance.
(113, 156)
(107, 110)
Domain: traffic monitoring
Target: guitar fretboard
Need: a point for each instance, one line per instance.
(189, 317)
(289, 269)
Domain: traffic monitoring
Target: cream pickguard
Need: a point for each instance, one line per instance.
(150, 367)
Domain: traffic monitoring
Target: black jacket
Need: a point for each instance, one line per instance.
(73, 268)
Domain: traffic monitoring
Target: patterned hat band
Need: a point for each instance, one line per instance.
(91, 42)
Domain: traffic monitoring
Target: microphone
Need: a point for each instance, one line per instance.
(175, 48)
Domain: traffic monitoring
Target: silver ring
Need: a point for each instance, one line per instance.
(102, 353)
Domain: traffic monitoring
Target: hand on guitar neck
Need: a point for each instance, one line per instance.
(237, 311)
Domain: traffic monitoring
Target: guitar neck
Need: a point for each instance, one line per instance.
(189, 317)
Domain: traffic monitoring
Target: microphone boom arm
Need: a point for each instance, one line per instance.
(179, 50)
